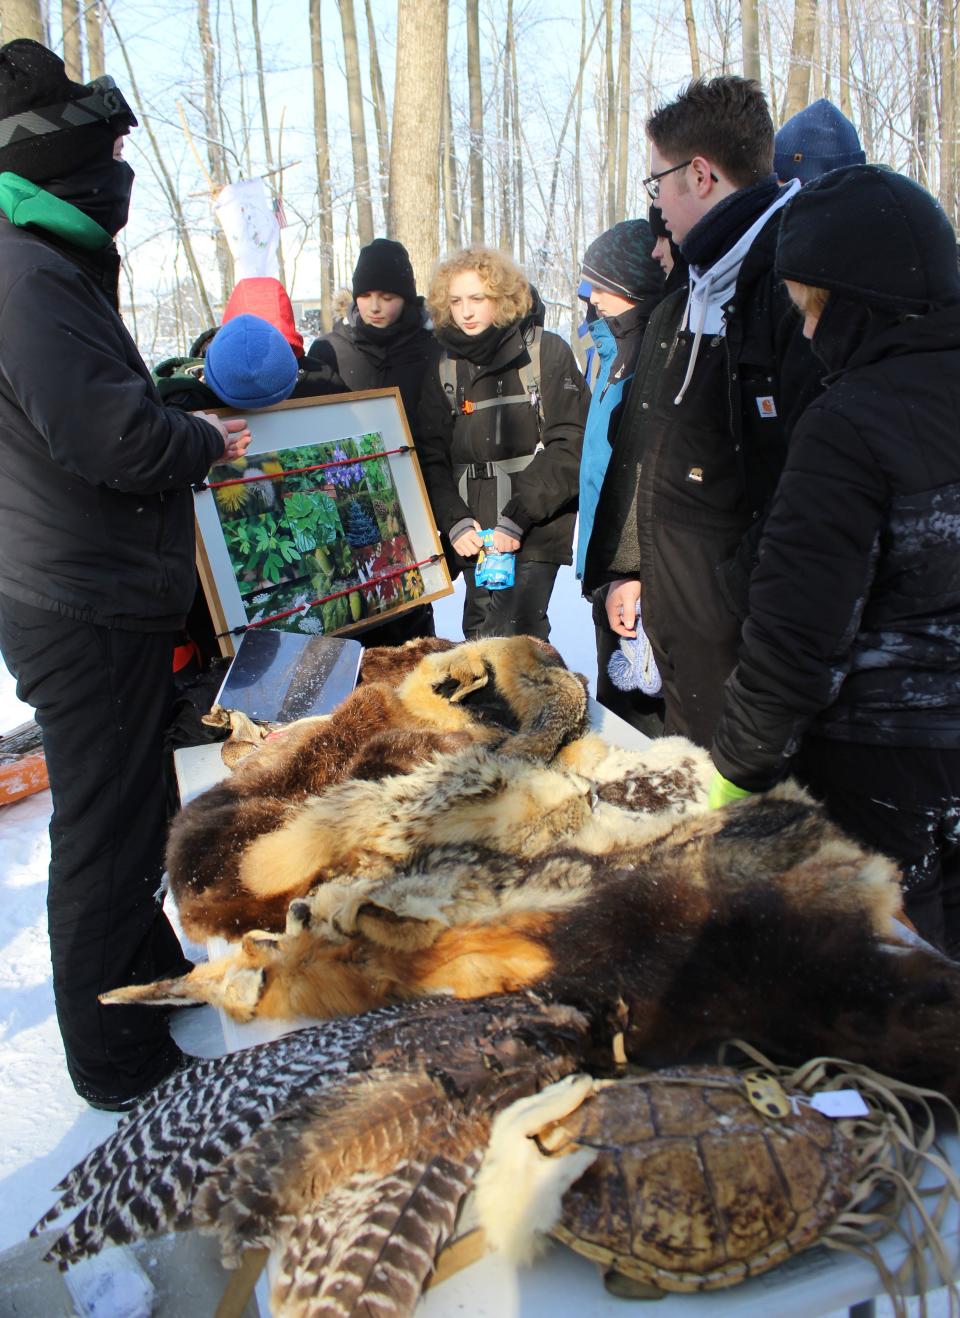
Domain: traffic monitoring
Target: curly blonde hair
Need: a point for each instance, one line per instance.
(502, 280)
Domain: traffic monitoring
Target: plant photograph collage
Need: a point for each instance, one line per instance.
(317, 529)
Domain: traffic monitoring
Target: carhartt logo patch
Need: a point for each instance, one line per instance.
(767, 406)
(695, 474)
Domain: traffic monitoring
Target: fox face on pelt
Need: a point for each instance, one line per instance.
(513, 693)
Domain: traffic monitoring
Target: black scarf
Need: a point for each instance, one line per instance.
(101, 189)
(383, 336)
(723, 226)
(480, 349)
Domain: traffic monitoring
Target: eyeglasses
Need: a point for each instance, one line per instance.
(652, 184)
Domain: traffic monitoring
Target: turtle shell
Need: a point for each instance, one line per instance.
(696, 1188)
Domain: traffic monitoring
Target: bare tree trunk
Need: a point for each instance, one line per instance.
(517, 150)
(575, 254)
(750, 30)
(451, 192)
(843, 22)
(948, 141)
(816, 66)
(692, 38)
(477, 203)
(623, 131)
(166, 181)
(93, 23)
(575, 103)
(358, 137)
(920, 101)
(379, 107)
(801, 57)
(610, 124)
(246, 165)
(323, 167)
(264, 116)
(414, 216)
(22, 18)
(72, 43)
(216, 158)
(506, 173)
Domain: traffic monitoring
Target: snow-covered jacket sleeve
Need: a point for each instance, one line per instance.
(67, 362)
(552, 480)
(817, 563)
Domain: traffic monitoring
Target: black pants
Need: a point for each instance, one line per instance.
(645, 713)
(520, 610)
(905, 803)
(102, 698)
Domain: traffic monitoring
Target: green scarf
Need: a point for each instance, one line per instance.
(26, 203)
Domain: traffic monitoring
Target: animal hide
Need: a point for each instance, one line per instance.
(509, 692)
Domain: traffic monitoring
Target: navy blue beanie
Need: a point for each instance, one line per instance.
(814, 141)
(249, 363)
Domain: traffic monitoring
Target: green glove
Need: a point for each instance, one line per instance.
(723, 791)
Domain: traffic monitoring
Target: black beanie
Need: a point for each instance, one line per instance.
(658, 225)
(383, 266)
(621, 261)
(32, 78)
(873, 235)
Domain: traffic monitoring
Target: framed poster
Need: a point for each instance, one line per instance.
(324, 525)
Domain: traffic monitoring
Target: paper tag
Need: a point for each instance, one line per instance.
(840, 1103)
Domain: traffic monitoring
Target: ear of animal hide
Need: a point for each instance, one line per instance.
(513, 692)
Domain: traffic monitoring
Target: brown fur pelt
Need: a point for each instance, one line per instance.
(513, 693)
(392, 663)
(761, 921)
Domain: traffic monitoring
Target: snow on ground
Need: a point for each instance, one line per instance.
(46, 1127)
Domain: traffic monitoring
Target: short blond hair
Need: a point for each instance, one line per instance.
(503, 281)
(807, 298)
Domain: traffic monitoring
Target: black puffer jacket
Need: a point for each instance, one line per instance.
(368, 358)
(543, 502)
(96, 512)
(854, 626)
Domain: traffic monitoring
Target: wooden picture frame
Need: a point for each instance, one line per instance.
(294, 528)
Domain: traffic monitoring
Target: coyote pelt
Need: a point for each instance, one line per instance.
(513, 693)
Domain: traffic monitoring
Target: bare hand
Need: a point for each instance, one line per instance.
(468, 544)
(622, 599)
(234, 432)
(504, 543)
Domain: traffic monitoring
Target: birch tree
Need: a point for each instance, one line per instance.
(379, 106)
(72, 39)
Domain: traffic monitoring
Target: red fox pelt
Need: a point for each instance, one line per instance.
(761, 921)
(511, 692)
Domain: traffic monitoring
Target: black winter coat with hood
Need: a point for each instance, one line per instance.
(542, 505)
(366, 357)
(96, 512)
(854, 626)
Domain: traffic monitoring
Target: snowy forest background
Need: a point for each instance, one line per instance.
(441, 122)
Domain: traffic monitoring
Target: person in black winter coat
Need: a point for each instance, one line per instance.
(384, 341)
(723, 372)
(499, 434)
(96, 557)
(385, 338)
(849, 673)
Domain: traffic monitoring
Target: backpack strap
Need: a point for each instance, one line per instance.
(448, 378)
(530, 374)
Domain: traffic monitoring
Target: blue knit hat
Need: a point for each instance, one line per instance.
(249, 364)
(814, 141)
